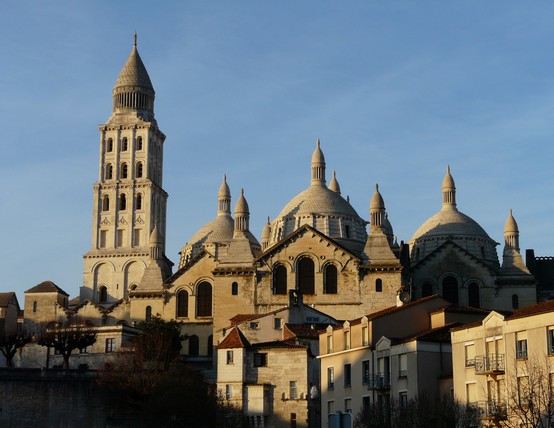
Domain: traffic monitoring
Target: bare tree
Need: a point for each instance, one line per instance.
(530, 394)
(10, 343)
(65, 337)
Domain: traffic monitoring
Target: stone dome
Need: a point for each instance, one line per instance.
(220, 229)
(323, 209)
(451, 224)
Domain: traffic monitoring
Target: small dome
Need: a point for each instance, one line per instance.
(511, 224)
(334, 184)
(224, 191)
(318, 157)
(377, 202)
(448, 181)
(242, 206)
(155, 236)
(450, 222)
(219, 229)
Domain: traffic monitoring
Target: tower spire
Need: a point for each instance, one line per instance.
(135, 40)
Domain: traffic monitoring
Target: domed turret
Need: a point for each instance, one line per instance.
(511, 232)
(318, 166)
(266, 234)
(242, 214)
(376, 211)
(224, 198)
(448, 191)
(334, 184)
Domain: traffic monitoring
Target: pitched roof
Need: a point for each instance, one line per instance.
(278, 344)
(46, 287)
(461, 309)
(306, 330)
(6, 298)
(536, 309)
(234, 339)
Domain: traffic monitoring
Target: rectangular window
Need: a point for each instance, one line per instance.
(523, 390)
(293, 386)
(278, 323)
(260, 360)
(347, 405)
(521, 345)
(471, 393)
(120, 237)
(136, 238)
(470, 355)
(110, 345)
(83, 350)
(330, 407)
(228, 392)
(293, 420)
(103, 235)
(347, 375)
(330, 344)
(403, 365)
(365, 403)
(330, 377)
(347, 339)
(365, 371)
(229, 357)
(365, 336)
(403, 400)
(550, 340)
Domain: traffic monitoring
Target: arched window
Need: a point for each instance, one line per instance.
(102, 294)
(139, 143)
(210, 345)
(194, 346)
(106, 203)
(426, 289)
(139, 169)
(280, 280)
(34, 307)
(515, 301)
(109, 172)
(330, 279)
(306, 276)
(234, 288)
(124, 170)
(139, 202)
(450, 289)
(109, 145)
(148, 313)
(124, 145)
(182, 304)
(473, 295)
(123, 202)
(204, 300)
(378, 285)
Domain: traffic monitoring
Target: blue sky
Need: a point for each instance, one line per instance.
(395, 90)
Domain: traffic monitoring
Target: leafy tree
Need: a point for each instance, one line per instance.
(65, 337)
(11, 342)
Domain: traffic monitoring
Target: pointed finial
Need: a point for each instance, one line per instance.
(318, 142)
(135, 40)
(268, 222)
(242, 191)
(347, 198)
(376, 187)
(448, 168)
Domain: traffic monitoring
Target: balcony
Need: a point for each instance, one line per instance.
(489, 364)
(493, 410)
(379, 381)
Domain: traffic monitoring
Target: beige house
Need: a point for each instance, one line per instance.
(392, 355)
(269, 381)
(504, 366)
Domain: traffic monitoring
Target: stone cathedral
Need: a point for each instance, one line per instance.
(317, 251)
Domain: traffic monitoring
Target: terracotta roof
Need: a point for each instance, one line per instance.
(278, 344)
(306, 330)
(393, 309)
(46, 287)
(537, 309)
(240, 318)
(234, 339)
(462, 309)
(6, 298)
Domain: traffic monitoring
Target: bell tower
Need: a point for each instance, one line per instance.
(129, 201)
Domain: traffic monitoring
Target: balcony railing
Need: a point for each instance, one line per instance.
(379, 381)
(489, 364)
(493, 410)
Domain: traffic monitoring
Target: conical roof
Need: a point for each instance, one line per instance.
(377, 202)
(317, 156)
(266, 232)
(334, 184)
(242, 206)
(511, 224)
(224, 191)
(448, 181)
(134, 72)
